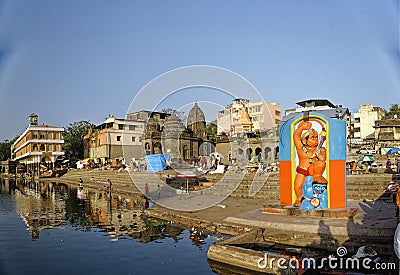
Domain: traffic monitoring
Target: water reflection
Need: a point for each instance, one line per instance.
(52, 205)
(92, 232)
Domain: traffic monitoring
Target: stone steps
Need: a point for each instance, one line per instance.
(359, 187)
(369, 183)
(117, 178)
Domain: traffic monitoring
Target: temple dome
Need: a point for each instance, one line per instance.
(196, 122)
(195, 115)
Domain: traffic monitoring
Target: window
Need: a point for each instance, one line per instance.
(56, 147)
(42, 135)
(50, 135)
(55, 135)
(35, 147)
(133, 139)
(386, 129)
(256, 109)
(132, 127)
(277, 113)
(42, 147)
(34, 135)
(120, 126)
(118, 138)
(49, 147)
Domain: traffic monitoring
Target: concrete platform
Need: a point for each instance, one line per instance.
(366, 219)
(327, 213)
(370, 224)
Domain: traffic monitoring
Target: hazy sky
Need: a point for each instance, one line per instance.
(72, 60)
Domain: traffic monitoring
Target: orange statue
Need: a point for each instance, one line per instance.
(311, 157)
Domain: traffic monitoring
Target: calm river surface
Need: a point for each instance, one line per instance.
(49, 228)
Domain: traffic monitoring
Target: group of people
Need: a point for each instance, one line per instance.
(205, 164)
(397, 163)
(157, 192)
(358, 167)
(138, 166)
(363, 167)
(210, 163)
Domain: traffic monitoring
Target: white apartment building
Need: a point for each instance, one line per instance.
(114, 139)
(364, 121)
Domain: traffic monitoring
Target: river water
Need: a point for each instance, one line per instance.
(49, 228)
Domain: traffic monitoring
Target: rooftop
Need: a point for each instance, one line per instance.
(315, 102)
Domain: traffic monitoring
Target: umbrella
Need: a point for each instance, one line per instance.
(366, 158)
(254, 159)
(374, 164)
(393, 150)
(187, 176)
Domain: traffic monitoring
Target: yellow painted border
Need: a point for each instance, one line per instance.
(293, 152)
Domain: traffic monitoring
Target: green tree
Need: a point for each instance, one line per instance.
(73, 139)
(5, 148)
(180, 115)
(393, 110)
(168, 110)
(211, 127)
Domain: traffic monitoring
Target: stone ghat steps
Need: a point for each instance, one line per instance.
(369, 187)
(264, 186)
(370, 197)
(224, 182)
(360, 196)
(359, 187)
(376, 188)
(117, 178)
(372, 179)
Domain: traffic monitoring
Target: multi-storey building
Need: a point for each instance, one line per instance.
(387, 134)
(39, 146)
(263, 116)
(115, 139)
(364, 121)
